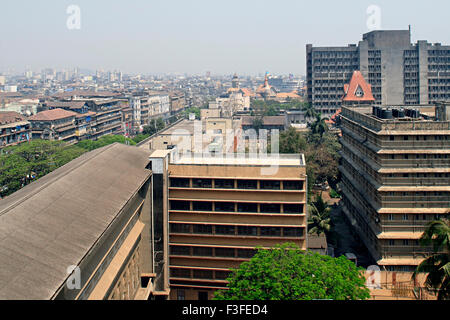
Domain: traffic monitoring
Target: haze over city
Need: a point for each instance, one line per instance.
(152, 37)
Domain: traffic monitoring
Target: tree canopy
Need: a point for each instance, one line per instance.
(287, 273)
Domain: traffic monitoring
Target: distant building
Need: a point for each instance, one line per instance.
(14, 129)
(55, 124)
(400, 73)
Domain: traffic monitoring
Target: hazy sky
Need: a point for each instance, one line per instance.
(195, 36)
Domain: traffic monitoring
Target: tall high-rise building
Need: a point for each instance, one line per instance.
(398, 71)
(395, 177)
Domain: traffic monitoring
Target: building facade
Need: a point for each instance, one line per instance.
(220, 210)
(395, 178)
(400, 73)
(14, 129)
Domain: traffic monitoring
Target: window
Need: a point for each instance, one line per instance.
(227, 230)
(390, 217)
(224, 206)
(224, 184)
(179, 182)
(246, 253)
(202, 251)
(391, 138)
(202, 206)
(202, 183)
(247, 184)
(202, 229)
(405, 217)
(180, 228)
(179, 205)
(293, 185)
(292, 232)
(247, 231)
(247, 207)
(222, 275)
(391, 242)
(180, 250)
(180, 273)
(203, 274)
(270, 232)
(269, 185)
(270, 208)
(202, 295)
(225, 252)
(405, 242)
(293, 208)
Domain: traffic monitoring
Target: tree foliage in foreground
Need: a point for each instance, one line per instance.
(437, 265)
(287, 273)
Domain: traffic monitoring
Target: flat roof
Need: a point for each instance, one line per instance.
(241, 159)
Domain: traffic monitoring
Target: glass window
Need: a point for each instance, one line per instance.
(270, 232)
(247, 184)
(202, 229)
(180, 228)
(224, 206)
(180, 273)
(179, 205)
(224, 184)
(203, 251)
(228, 230)
(293, 185)
(202, 206)
(247, 231)
(202, 183)
(270, 208)
(293, 232)
(179, 182)
(246, 253)
(225, 252)
(203, 274)
(269, 185)
(180, 250)
(181, 295)
(247, 207)
(293, 208)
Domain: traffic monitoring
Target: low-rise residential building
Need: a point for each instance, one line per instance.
(14, 129)
(56, 125)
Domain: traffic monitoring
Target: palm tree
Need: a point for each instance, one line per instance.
(319, 217)
(310, 112)
(437, 265)
(319, 126)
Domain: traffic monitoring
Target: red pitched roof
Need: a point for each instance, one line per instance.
(358, 82)
(7, 117)
(54, 114)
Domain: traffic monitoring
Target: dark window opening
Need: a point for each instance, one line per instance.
(292, 232)
(180, 250)
(180, 228)
(247, 231)
(269, 185)
(202, 229)
(203, 251)
(201, 183)
(226, 230)
(293, 208)
(247, 184)
(224, 206)
(270, 232)
(179, 205)
(202, 206)
(225, 252)
(270, 208)
(224, 184)
(179, 182)
(247, 207)
(293, 185)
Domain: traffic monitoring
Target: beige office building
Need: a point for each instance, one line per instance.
(221, 209)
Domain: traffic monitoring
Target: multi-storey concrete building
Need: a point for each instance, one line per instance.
(395, 177)
(221, 209)
(14, 129)
(55, 124)
(398, 71)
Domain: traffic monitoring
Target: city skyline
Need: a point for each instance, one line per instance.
(193, 38)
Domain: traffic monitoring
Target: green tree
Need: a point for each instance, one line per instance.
(160, 124)
(292, 141)
(437, 265)
(319, 221)
(287, 273)
(319, 126)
